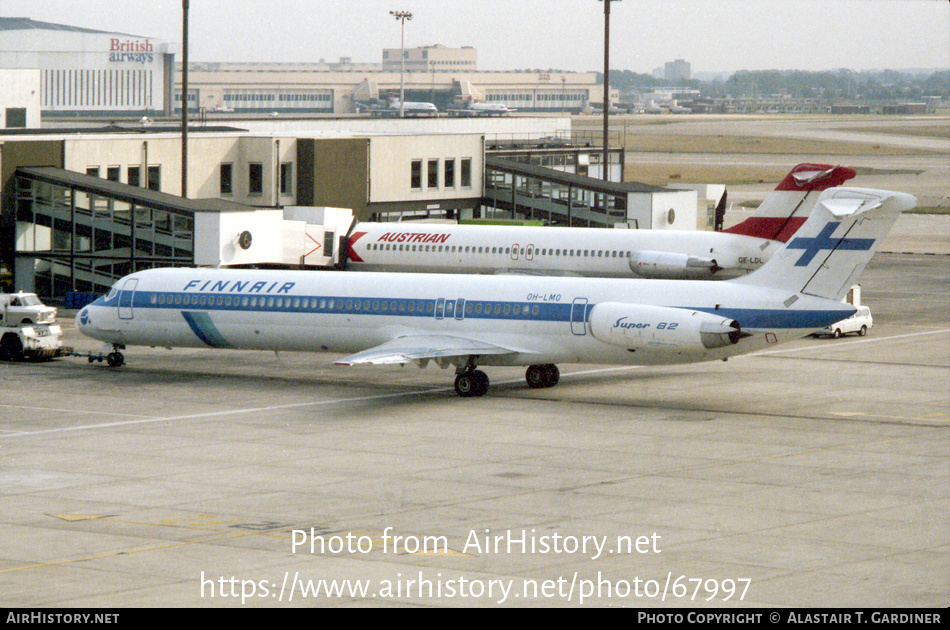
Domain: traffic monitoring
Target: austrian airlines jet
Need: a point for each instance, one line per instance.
(537, 321)
(597, 252)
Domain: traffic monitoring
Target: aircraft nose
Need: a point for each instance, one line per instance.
(82, 318)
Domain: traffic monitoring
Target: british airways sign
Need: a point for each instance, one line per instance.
(131, 50)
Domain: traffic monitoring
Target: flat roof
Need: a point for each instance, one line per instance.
(570, 179)
(24, 23)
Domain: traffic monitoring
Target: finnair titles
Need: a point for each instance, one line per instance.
(669, 254)
(491, 320)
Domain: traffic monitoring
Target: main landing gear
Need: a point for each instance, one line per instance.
(472, 382)
(539, 376)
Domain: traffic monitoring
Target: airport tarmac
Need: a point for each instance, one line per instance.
(812, 475)
(815, 475)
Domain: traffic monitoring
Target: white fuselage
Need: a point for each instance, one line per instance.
(618, 253)
(540, 319)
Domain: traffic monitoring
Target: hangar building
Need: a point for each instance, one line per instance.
(87, 71)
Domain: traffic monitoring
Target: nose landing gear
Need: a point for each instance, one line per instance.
(114, 359)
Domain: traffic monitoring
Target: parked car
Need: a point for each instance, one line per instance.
(858, 323)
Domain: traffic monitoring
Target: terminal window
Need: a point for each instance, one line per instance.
(415, 177)
(448, 173)
(227, 174)
(255, 178)
(286, 178)
(155, 178)
(433, 169)
(466, 173)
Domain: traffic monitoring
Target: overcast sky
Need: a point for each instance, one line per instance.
(713, 35)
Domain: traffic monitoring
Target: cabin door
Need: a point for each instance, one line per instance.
(579, 317)
(126, 293)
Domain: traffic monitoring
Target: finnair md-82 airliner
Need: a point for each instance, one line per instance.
(536, 321)
(598, 252)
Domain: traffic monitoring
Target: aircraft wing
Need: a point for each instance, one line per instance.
(422, 347)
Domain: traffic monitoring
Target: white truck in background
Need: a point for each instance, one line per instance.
(860, 323)
(28, 328)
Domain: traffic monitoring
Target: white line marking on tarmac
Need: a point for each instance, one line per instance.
(140, 420)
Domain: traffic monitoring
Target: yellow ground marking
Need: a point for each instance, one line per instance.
(81, 517)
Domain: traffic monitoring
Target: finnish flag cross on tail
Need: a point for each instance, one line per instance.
(831, 249)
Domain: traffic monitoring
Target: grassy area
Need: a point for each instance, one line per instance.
(663, 174)
(934, 130)
(655, 140)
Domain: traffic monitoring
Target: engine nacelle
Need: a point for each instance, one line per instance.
(635, 327)
(672, 265)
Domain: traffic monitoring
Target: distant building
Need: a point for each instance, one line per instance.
(19, 98)
(431, 59)
(904, 109)
(676, 71)
(88, 71)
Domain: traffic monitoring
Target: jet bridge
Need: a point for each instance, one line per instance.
(80, 233)
(522, 191)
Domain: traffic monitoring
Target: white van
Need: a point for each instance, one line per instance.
(859, 323)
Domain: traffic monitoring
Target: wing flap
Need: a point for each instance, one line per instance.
(416, 347)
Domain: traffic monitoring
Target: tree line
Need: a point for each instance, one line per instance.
(883, 85)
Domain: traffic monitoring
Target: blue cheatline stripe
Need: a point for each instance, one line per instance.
(779, 318)
(205, 329)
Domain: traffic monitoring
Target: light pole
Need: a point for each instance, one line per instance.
(402, 16)
(606, 81)
(184, 102)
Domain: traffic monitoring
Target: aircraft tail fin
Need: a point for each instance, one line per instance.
(828, 253)
(786, 208)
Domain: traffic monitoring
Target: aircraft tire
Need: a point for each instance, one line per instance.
(115, 359)
(472, 383)
(481, 379)
(541, 376)
(534, 376)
